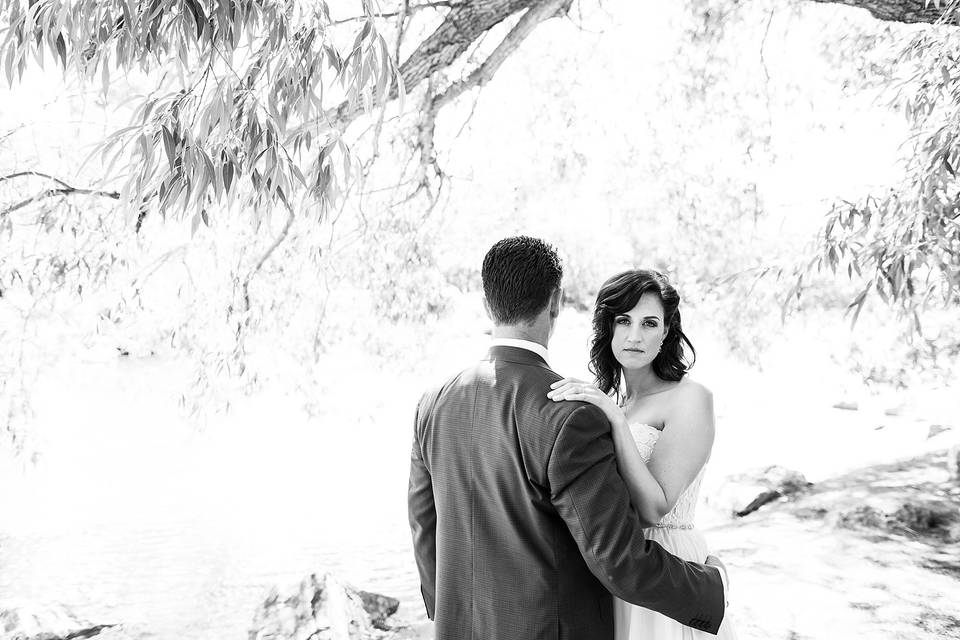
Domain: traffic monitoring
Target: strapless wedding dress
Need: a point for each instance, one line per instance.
(676, 533)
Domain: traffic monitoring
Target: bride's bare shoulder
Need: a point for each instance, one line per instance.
(688, 390)
(690, 403)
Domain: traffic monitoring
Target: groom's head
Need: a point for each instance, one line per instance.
(521, 281)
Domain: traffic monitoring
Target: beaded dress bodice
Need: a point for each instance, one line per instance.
(682, 514)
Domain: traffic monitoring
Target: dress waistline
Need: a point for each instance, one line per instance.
(662, 525)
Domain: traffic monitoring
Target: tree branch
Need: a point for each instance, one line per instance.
(38, 174)
(536, 14)
(9, 133)
(511, 42)
(461, 26)
(64, 190)
(907, 11)
(266, 255)
(440, 4)
(401, 27)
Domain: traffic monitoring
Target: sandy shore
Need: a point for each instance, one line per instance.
(801, 569)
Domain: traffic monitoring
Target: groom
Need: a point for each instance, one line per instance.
(522, 525)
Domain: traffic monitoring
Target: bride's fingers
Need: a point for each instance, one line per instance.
(558, 387)
(564, 388)
(564, 381)
(573, 392)
(577, 396)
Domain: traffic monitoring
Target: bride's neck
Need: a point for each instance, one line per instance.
(640, 382)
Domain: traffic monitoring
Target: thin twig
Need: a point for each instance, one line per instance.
(401, 26)
(11, 132)
(466, 121)
(38, 174)
(766, 71)
(446, 4)
(266, 255)
(52, 193)
(150, 269)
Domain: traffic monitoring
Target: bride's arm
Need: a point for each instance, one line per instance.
(681, 450)
(685, 444)
(646, 494)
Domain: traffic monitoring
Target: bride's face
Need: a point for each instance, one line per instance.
(637, 334)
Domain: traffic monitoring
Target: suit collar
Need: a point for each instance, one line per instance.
(535, 347)
(516, 355)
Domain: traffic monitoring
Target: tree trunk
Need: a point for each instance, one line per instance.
(460, 28)
(908, 11)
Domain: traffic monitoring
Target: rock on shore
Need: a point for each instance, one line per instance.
(322, 608)
(743, 494)
(29, 621)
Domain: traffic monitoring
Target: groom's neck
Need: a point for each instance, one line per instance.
(531, 333)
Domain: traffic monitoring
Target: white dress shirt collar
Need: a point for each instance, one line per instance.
(536, 347)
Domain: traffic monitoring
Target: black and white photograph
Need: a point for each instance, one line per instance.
(479, 319)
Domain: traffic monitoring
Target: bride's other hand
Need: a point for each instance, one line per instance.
(574, 389)
(714, 561)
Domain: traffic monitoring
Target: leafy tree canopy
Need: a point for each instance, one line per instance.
(241, 109)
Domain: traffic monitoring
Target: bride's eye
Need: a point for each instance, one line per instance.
(621, 320)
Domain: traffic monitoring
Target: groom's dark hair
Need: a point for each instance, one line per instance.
(519, 275)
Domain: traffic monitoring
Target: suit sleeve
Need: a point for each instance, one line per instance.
(590, 495)
(423, 521)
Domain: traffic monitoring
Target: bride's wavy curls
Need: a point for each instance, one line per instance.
(620, 294)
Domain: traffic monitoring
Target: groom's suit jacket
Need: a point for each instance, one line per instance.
(522, 525)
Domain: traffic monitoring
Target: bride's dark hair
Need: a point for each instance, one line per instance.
(620, 294)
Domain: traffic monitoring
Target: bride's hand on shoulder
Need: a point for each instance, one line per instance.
(574, 389)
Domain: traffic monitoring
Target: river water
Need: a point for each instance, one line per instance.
(131, 514)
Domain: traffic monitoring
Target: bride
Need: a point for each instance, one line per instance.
(662, 422)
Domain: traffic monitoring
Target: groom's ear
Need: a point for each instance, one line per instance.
(486, 308)
(555, 302)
